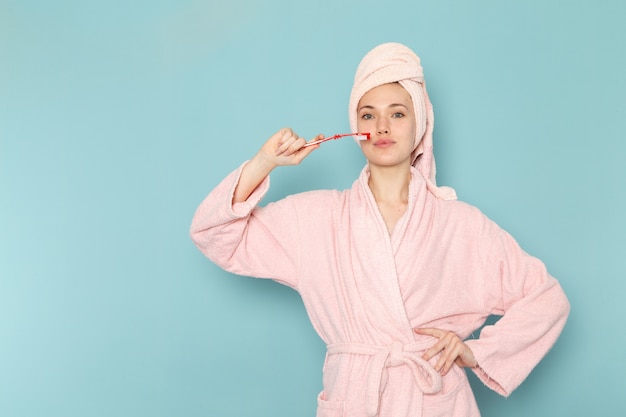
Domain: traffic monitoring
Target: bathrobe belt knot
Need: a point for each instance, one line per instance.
(397, 354)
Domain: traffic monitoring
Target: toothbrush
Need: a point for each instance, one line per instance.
(359, 136)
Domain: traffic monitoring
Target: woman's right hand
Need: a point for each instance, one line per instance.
(282, 148)
(285, 147)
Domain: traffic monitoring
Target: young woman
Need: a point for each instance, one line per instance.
(395, 273)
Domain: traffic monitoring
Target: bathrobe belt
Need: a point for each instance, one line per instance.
(426, 377)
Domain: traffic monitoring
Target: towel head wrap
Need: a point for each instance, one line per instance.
(390, 63)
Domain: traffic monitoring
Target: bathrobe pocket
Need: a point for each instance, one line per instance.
(455, 388)
(329, 408)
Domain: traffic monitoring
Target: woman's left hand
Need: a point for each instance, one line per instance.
(452, 349)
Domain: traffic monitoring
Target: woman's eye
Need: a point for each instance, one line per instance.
(398, 114)
(366, 116)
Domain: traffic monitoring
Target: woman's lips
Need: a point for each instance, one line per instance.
(383, 143)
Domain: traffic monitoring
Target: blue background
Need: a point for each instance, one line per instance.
(117, 117)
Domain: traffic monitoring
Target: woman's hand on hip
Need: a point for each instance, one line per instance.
(452, 350)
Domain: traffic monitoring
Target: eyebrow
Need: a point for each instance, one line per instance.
(389, 106)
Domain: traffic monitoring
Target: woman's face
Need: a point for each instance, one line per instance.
(387, 113)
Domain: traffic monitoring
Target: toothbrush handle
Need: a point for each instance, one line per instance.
(367, 135)
(315, 142)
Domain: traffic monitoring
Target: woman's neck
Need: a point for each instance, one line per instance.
(390, 185)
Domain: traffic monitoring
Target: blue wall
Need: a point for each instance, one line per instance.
(117, 117)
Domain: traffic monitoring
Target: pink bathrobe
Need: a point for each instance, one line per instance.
(445, 265)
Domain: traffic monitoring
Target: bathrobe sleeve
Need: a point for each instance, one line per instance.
(246, 239)
(533, 307)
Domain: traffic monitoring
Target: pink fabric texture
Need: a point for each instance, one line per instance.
(445, 265)
(390, 63)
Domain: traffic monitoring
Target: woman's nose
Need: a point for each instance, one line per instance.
(382, 126)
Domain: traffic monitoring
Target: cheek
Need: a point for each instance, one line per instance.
(365, 125)
(411, 128)
(359, 124)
